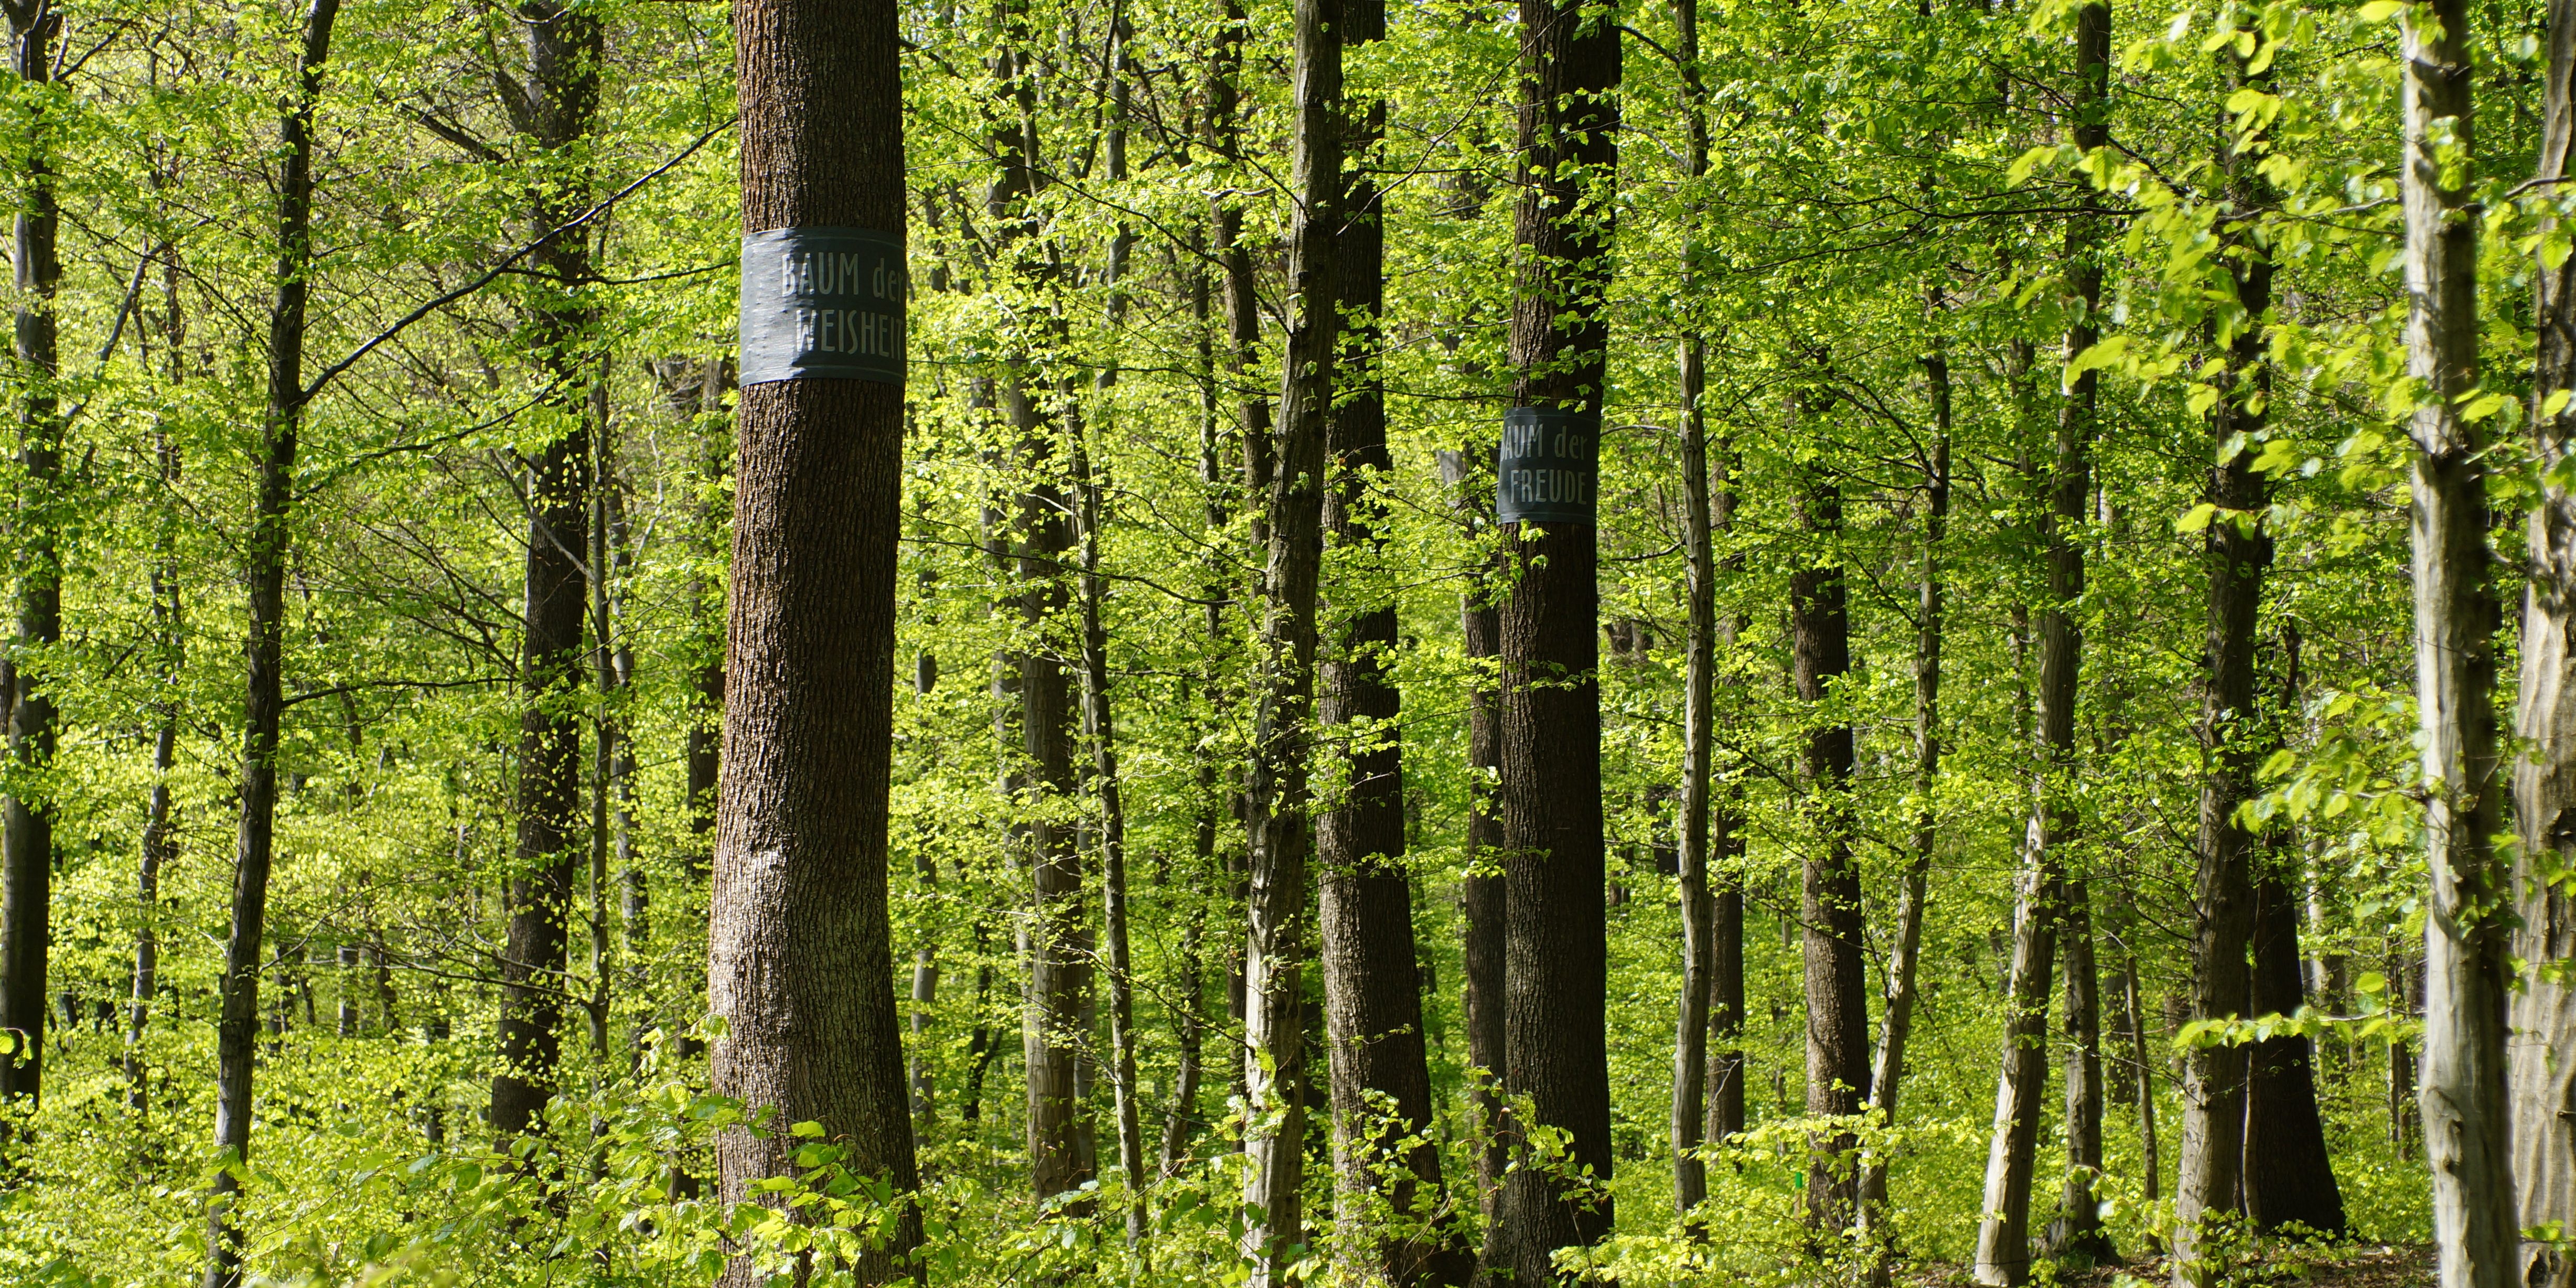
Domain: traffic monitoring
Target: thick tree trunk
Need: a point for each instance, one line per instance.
(564, 50)
(264, 653)
(2541, 1075)
(1896, 1009)
(1387, 1197)
(2239, 556)
(1829, 908)
(1699, 907)
(2289, 1169)
(2466, 925)
(1276, 800)
(27, 825)
(800, 960)
(1555, 953)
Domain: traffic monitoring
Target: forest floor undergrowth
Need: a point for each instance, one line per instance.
(2359, 1265)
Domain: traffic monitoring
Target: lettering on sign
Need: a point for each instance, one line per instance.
(822, 304)
(1546, 469)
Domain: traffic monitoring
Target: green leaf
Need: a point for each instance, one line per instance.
(2196, 518)
(2381, 10)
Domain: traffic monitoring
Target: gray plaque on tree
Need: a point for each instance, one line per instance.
(1545, 470)
(822, 304)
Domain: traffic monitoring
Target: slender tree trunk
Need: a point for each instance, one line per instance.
(27, 825)
(1277, 804)
(707, 674)
(2076, 1231)
(1896, 1009)
(1482, 896)
(1555, 1060)
(1836, 979)
(1699, 907)
(264, 653)
(2466, 926)
(801, 962)
(1726, 846)
(564, 50)
(2150, 1166)
(2541, 1075)
(2003, 1245)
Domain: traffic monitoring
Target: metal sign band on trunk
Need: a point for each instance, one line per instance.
(822, 304)
(1545, 470)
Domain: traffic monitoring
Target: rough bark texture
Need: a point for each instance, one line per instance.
(800, 962)
(264, 653)
(2076, 1233)
(1555, 955)
(2466, 926)
(1386, 1159)
(2289, 1171)
(2541, 1069)
(1278, 808)
(27, 826)
(562, 92)
(1483, 895)
(1829, 909)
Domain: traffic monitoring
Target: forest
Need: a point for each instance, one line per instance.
(1249, 643)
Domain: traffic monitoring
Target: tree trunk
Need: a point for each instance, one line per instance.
(1726, 845)
(2466, 928)
(1698, 906)
(2289, 1169)
(707, 675)
(1482, 896)
(564, 50)
(1277, 804)
(2076, 1231)
(800, 960)
(2150, 1167)
(2239, 556)
(27, 825)
(2003, 1246)
(1896, 1010)
(1386, 1197)
(1555, 1059)
(264, 653)
(2541, 1075)
(1829, 908)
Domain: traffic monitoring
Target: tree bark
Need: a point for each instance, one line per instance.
(2003, 1251)
(264, 652)
(2076, 1231)
(1482, 896)
(1555, 952)
(2289, 1169)
(2541, 1074)
(1896, 1009)
(1829, 907)
(564, 50)
(1386, 1162)
(2238, 554)
(800, 961)
(2466, 925)
(707, 676)
(1276, 799)
(27, 824)
(1698, 906)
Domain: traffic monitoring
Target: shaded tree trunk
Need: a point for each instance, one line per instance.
(1277, 802)
(1554, 948)
(1482, 896)
(800, 959)
(1896, 1009)
(2238, 555)
(2541, 1076)
(27, 824)
(2466, 931)
(2289, 1170)
(1829, 905)
(264, 652)
(564, 50)
(1388, 1194)
(1698, 906)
